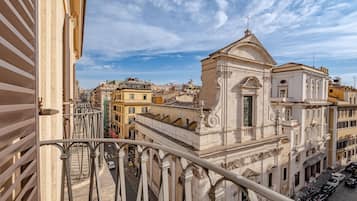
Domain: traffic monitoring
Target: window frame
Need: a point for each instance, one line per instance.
(248, 121)
(131, 110)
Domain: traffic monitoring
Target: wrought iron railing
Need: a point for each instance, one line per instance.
(84, 122)
(190, 167)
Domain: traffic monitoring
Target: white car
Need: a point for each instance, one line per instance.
(340, 177)
(111, 165)
(333, 182)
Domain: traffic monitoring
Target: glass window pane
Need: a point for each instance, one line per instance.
(248, 111)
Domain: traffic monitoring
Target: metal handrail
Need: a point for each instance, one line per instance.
(230, 176)
(83, 122)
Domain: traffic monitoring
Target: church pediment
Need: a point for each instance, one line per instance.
(248, 47)
(250, 83)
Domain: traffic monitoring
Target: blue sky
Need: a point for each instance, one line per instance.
(164, 40)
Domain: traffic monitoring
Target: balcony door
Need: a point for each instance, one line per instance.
(18, 104)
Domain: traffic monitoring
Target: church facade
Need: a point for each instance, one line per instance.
(237, 125)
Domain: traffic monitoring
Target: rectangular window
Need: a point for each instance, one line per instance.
(115, 108)
(288, 114)
(350, 113)
(132, 96)
(270, 184)
(116, 117)
(307, 177)
(297, 140)
(283, 93)
(342, 124)
(324, 163)
(353, 123)
(131, 120)
(144, 109)
(285, 174)
(297, 178)
(131, 110)
(248, 111)
(144, 97)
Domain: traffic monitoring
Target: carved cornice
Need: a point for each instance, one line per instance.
(241, 162)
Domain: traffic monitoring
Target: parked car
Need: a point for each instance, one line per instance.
(351, 182)
(320, 197)
(327, 189)
(111, 165)
(333, 182)
(339, 176)
(350, 168)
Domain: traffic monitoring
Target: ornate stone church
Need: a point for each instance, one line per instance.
(235, 127)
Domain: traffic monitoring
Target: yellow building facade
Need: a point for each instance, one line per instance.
(130, 98)
(343, 125)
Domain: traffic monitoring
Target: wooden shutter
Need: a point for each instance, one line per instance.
(18, 109)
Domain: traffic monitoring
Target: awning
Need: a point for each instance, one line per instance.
(314, 160)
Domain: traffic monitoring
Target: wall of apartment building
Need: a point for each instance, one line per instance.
(309, 141)
(291, 79)
(343, 120)
(128, 103)
(59, 48)
(346, 134)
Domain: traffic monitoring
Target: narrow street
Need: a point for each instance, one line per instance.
(344, 193)
(131, 181)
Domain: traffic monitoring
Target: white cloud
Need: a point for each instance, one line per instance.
(221, 18)
(222, 4)
(117, 28)
(121, 37)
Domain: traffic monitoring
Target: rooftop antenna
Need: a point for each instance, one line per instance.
(354, 81)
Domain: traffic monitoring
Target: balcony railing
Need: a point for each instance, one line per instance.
(191, 167)
(84, 122)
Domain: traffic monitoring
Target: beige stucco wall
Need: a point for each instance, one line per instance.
(53, 83)
(121, 99)
(51, 21)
